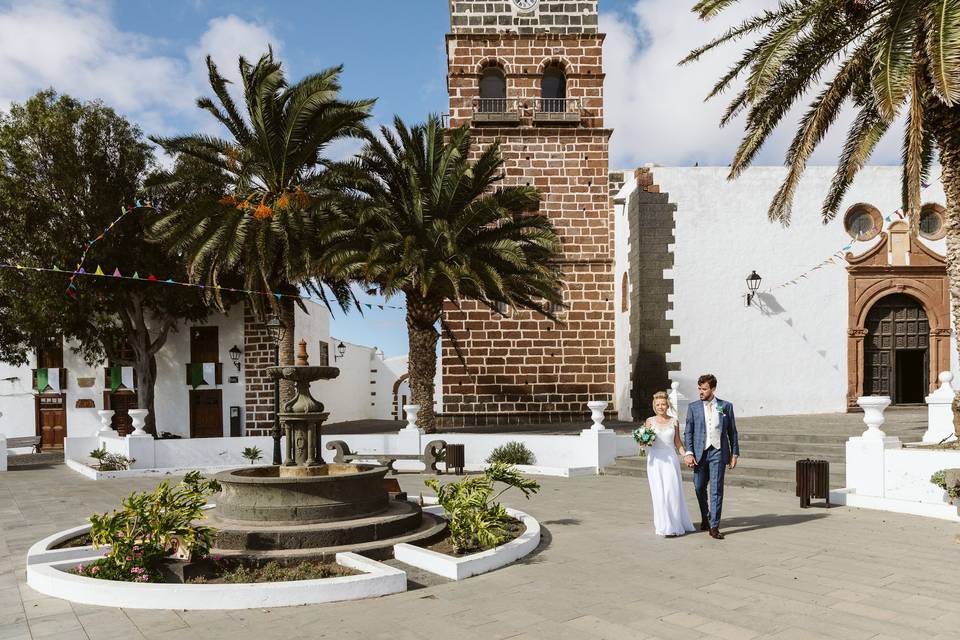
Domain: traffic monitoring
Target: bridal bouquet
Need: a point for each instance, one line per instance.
(645, 436)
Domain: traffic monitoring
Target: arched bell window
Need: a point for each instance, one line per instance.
(553, 90)
(493, 91)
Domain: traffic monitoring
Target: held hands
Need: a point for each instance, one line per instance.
(689, 460)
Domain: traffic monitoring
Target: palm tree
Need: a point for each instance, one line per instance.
(283, 189)
(434, 226)
(885, 56)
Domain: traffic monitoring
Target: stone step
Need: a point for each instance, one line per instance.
(778, 475)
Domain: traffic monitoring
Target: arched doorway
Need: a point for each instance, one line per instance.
(896, 350)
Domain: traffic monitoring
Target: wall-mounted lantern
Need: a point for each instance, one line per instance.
(235, 354)
(341, 349)
(753, 283)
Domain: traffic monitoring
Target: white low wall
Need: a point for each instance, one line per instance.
(558, 455)
(3, 453)
(883, 475)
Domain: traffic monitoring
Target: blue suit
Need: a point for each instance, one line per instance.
(711, 463)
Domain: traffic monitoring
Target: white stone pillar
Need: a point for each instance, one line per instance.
(940, 411)
(3, 453)
(409, 439)
(866, 454)
(106, 418)
(596, 414)
(138, 416)
(678, 400)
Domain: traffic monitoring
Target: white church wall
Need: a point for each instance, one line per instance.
(785, 354)
(621, 400)
(17, 419)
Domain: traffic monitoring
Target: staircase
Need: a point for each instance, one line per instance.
(771, 445)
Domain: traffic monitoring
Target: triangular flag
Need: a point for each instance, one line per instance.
(99, 271)
(196, 374)
(116, 273)
(115, 380)
(278, 295)
(126, 377)
(55, 268)
(210, 373)
(136, 275)
(151, 277)
(169, 280)
(42, 383)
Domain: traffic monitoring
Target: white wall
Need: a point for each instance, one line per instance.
(621, 398)
(17, 417)
(788, 354)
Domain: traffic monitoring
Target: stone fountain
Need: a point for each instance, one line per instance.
(306, 508)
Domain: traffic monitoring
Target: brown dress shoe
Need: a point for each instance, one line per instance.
(715, 533)
(704, 525)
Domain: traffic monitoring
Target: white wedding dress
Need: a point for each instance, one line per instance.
(670, 516)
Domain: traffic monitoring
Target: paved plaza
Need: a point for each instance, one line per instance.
(782, 572)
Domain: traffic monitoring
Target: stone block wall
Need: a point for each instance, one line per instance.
(258, 354)
(652, 226)
(555, 16)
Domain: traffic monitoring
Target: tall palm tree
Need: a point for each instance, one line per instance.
(884, 57)
(283, 189)
(434, 226)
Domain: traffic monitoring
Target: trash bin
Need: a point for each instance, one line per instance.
(813, 481)
(455, 458)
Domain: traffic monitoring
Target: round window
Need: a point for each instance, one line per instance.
(932, 225)
(862, 222)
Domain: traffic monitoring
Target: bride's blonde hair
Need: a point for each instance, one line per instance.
(662, 395)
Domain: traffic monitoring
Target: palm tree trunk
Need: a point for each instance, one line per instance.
(288, 318)
(422, 317)
(946, 125)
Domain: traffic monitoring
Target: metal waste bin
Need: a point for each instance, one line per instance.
(813, 481)
(455, 458)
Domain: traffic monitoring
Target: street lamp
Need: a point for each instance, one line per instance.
(753, 283)
(277, 331)
(341, 349)
(235, 354)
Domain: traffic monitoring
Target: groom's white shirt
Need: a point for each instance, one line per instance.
(712, 419)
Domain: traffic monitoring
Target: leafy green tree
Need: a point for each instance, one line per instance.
(885, 57)
(276, 210)
(66, 170)
(434, 225)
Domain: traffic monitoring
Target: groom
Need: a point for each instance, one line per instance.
(711, 439)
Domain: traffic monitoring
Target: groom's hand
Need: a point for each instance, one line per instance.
(689, 460)
(733, 463)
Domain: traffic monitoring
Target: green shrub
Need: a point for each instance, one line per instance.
(940, 479)
(512, 453)
(252, 454)
(110, 461)
(475, 519)
(142, 533)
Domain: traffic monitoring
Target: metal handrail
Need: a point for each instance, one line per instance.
(557, 105)
(495, 105)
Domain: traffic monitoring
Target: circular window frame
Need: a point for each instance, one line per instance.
(874, 214)
(941, 212)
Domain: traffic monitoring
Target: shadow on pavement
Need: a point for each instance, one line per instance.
(733, 526)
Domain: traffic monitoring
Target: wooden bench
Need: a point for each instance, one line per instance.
(28, 441)
(432, 454)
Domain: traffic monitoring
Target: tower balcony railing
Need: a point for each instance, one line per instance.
(556, 110)
(497, 110)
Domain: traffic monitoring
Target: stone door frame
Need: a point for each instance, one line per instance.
(872, 277)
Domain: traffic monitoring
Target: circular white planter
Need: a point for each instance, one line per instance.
(458, 568)
(47, 572)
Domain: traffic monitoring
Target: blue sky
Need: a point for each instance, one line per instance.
(145, 58)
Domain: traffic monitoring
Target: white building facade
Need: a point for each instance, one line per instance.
(847, 308)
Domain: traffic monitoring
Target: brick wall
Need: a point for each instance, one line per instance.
(558, 16)
(258, 354)
(651, 223)
(522, 368)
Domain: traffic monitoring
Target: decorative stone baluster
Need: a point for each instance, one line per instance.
(411, 410)
(873, 407)
(106, 419)
(596, 413)
(138, 416)
(940, 411)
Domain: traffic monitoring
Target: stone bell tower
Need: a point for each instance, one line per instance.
(530, 74)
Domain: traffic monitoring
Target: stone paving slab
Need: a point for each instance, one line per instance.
(783, 572)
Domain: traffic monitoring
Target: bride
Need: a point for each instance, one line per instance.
(670, 516)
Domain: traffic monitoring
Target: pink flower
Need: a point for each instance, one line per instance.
(93, 570)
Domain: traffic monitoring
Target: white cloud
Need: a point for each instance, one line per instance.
(656, 108)
(74, 47)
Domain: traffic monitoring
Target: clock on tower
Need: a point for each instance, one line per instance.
(525, 5)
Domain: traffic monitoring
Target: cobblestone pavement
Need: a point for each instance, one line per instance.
(783, 572)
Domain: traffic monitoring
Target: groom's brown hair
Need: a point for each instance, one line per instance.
(708, 378)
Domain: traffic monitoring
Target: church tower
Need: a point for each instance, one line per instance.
(530, 73)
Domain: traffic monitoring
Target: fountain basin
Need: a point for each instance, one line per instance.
(331, 493)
